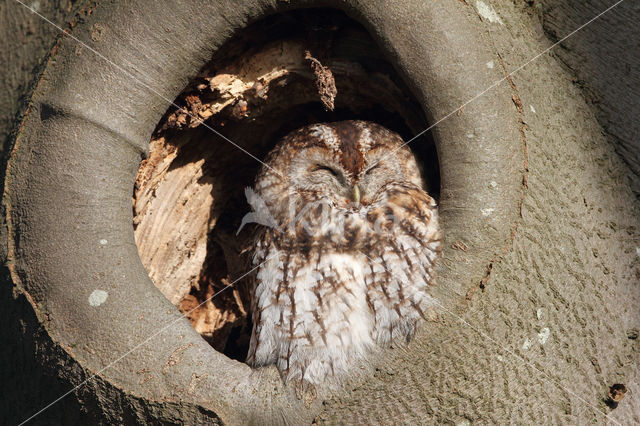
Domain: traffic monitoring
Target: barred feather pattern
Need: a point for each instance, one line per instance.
(337, 279)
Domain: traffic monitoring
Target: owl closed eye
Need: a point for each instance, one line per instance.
(347, 267)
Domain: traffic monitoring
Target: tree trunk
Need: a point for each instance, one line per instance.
(539, 282)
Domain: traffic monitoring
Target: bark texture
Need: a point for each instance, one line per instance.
(605, 59)
(26, 42)
(539, 285)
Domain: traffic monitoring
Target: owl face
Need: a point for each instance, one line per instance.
(348, 165)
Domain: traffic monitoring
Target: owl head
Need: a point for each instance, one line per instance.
(347, 164)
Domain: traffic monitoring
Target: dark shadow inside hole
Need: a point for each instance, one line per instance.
(205, 167)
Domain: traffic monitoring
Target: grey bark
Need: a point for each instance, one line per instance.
(558, 252)
(606, 61)
(26, 42)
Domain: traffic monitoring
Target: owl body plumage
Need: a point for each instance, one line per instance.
(340, 271)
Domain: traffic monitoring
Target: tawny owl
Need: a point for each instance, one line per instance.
(346, 253)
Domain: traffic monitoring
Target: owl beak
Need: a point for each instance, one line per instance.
(355, 194)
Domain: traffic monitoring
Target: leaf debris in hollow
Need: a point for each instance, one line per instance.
(325, 82)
